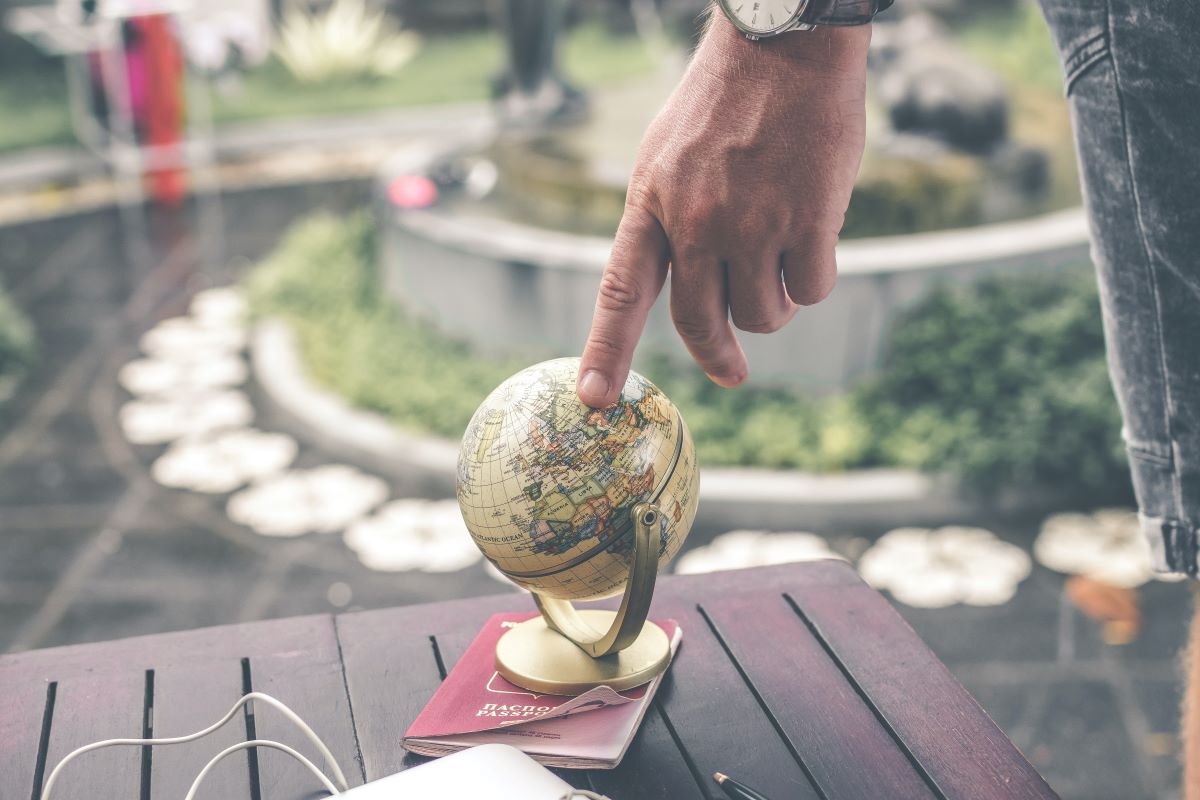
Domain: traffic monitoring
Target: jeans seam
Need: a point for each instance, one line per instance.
(1151, 274)
(1085, 56)
(1149, 455)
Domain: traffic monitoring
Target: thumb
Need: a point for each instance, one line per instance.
(632, 280)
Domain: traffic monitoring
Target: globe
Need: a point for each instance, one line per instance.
(547, 485)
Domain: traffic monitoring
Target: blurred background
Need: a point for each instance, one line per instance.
(260, 261)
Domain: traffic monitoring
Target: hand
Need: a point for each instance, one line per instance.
(740, 186)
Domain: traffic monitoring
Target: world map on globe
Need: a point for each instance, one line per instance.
(547, 485)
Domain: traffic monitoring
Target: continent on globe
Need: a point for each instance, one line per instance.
(547, 485)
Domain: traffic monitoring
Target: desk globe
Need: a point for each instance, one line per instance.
(576, 503)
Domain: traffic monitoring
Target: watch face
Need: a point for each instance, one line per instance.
(763, 16)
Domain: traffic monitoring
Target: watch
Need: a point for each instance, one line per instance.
(761, 19)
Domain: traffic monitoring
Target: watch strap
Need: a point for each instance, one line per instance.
(842, 12)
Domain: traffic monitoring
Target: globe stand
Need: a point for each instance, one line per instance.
(568, 651)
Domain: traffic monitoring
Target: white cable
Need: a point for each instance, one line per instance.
(259, 743)
(266, 698)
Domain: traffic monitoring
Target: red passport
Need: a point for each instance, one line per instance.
(475, 705)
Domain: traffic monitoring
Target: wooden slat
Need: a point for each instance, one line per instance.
(716, 719)
(24, 708)
(308, 680)
(188, 699)
(820, 712)
(653, 766)
(183, 663)
(89, 708)
(957, 744)
(24, 676)
(391, 672)
(453, 642)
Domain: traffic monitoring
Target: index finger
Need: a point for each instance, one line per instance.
(632, 280)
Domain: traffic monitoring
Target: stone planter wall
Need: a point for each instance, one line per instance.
(508, 288)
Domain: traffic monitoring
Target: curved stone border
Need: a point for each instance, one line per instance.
(1059, 235)
(419, 465)
(729, 497)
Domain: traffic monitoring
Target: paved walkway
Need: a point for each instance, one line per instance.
(89, 541)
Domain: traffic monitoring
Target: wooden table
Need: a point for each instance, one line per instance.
(799, 679)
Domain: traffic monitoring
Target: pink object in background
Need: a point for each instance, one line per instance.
(412, 191)
(163, 114)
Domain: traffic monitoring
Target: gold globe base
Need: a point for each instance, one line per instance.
(568, 651)
(534, 656)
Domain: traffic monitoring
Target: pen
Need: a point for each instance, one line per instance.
(737, 791)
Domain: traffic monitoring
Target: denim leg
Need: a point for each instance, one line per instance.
(1133, 79)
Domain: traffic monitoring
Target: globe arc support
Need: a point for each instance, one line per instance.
(561, 616)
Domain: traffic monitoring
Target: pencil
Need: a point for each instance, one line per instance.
(735, 790)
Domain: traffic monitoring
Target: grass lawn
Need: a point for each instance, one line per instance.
(448, 69)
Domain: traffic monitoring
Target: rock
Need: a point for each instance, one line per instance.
(935, 89)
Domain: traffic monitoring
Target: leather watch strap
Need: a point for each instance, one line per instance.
(843, 12)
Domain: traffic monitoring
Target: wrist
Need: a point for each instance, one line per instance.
(726, 50)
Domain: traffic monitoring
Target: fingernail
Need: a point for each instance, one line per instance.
(727, 383)
(593, 385)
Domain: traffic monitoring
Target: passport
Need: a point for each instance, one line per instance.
(476, 705)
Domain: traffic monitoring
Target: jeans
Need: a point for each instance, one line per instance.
(1133, 81)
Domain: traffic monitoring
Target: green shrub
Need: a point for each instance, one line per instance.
(774, 428)
(322, 280)
(16, 349)
(1001, 384)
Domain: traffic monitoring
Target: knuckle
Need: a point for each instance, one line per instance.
(700, 216)
(690, 252)
(639, 200)
(619, 292)
(601, 344)
(699, 333)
